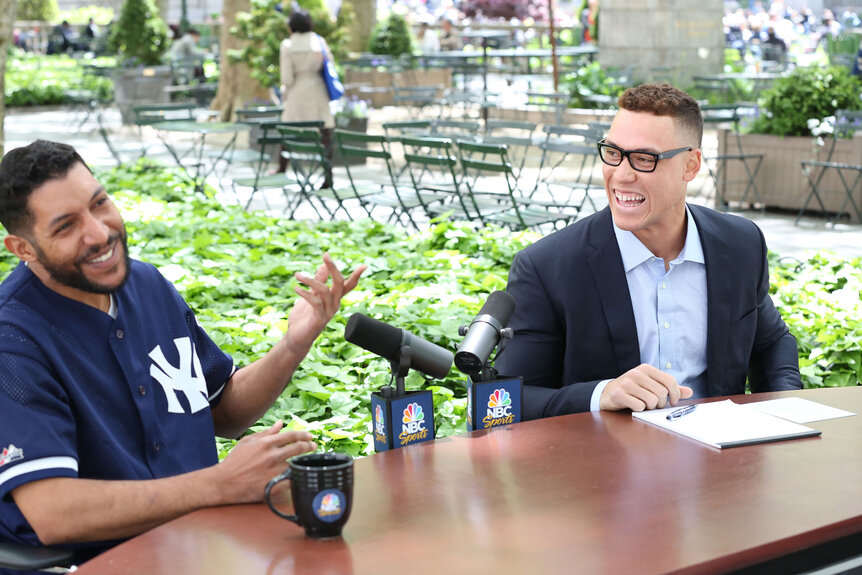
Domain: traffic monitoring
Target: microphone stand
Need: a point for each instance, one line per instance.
(400, 369)
(488, 373)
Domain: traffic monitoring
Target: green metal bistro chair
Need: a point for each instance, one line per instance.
(568, 173)
(374, 181)
(730, 150)
(432, 166)
(493, 190)
(269, 146)
(849, 174)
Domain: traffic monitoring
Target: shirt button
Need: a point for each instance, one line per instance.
(666, 325)
(663, 285)
(668, 365)
(157, 446)
(142, 390)
(119, 333)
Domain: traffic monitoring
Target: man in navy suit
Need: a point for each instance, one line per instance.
(651, 300)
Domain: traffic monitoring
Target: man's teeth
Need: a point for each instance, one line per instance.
(629, 197)
(103, 258)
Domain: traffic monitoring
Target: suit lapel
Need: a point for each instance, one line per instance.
(606, 266)
(719, 286)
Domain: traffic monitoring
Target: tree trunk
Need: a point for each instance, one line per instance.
(236, 87)
(7, 23)
(363, 25)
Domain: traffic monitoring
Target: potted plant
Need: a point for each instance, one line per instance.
(782, 131)
(140, 39)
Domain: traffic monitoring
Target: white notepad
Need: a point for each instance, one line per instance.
(724, 424)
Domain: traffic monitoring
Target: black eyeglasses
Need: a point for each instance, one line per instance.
(639, 161)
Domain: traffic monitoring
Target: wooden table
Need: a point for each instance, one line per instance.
(586, 493)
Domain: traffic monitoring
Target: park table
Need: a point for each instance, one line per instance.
(184, 149)
(586, 493)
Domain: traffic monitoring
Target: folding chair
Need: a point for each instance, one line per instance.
(567, 172)
(517, 136)
(730, 150)
(376, 187)
(849, 174)
(416, 98)
(553, 102)
(269, 146)
(493, 192)
(311, 162)
(455, 129)
(432, 165)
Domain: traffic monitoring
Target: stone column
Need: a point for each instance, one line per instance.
(666, 40)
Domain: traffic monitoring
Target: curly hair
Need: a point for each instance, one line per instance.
(25, 169)
(665, 100)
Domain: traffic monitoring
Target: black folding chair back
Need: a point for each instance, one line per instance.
(43, 559)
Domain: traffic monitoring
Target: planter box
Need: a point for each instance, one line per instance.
(780, 181)
(375, 84)
(140, 86)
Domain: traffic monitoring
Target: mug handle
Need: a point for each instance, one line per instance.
(266, 496)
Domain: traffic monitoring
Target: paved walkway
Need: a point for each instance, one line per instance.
(74, 127)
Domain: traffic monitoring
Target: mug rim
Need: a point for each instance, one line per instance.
(340, 460)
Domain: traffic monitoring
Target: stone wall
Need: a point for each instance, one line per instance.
(660, 38)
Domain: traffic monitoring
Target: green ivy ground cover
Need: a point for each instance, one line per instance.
(236, 271)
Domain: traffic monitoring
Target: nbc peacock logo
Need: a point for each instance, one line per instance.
(330, 504)
(413, 419)
(379, 422)
(499, 403)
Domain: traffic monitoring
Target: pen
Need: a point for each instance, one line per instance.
(677, 413)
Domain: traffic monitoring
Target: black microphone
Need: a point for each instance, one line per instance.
(483, 335)
(387, 341)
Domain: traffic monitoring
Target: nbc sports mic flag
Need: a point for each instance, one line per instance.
(493, 403)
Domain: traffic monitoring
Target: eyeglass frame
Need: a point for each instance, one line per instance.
(626, 154)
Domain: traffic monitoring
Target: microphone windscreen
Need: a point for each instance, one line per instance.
(499, 305)
(373, 335)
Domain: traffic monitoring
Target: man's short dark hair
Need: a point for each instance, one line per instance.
(25, 169)
(300, 21)
(665, 100)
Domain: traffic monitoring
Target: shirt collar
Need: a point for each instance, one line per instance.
(634, 253)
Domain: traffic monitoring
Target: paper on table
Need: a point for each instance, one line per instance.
(726, 424)
(799, 410)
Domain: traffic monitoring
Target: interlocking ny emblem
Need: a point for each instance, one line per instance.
(188, 378)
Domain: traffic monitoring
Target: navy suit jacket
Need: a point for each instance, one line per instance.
(574, 325)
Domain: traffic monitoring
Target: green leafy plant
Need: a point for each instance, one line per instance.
(592, 80)
(236, 271)
(806, 94)
(140, 36)
(38, 10)
(391, 36)
(37, 80)
(264, 26)
(101, 15)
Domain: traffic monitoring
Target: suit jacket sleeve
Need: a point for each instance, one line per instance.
(537, 350)
(774, 364)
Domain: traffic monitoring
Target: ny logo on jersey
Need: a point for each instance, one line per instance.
(187, 378)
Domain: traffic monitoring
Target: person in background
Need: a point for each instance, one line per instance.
(426, 39)
(111, 391)
(650, 300)
(450, 38)
(303, 90)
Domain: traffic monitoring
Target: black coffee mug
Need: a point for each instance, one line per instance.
(321, 486)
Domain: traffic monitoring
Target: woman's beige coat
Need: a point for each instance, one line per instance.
(303, 90)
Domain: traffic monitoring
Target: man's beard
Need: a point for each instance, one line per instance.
(73, 276)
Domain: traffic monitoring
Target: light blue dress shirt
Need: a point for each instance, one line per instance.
(669, 308)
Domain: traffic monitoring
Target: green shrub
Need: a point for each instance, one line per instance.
(43, 10)
(38, 80)
(806, 94)
(264, 27)
(392, 37)
(591, 80)
(101, 15)
(236, 269)
(140, 36)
